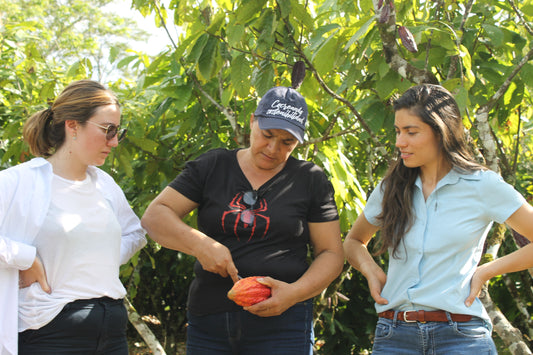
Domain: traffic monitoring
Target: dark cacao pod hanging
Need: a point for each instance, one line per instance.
(408, 40)
(385, 13)
(298, 74)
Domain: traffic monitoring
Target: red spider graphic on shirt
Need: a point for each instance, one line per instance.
(247, 215)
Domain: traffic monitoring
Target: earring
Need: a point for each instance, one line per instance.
(74, 137)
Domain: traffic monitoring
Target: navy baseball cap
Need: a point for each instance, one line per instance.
(283, 108)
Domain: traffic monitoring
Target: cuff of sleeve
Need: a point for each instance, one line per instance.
(24, 255)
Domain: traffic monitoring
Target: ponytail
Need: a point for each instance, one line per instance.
(41, 134)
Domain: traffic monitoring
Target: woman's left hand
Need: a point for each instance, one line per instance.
(282, 298)
(476, 285)
(35, 273)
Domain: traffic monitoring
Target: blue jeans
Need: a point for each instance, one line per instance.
(394, 336)
(243, 333)
(83, 327)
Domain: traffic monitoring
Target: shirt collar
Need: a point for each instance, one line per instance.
(41, 162)
(453, 177)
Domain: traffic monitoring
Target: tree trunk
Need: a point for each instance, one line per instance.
(511, 336)
(145, 332)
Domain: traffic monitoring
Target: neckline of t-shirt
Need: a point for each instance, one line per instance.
(270, 182)
(85, 181)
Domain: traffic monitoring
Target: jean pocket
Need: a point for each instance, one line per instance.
(383, 329)
(472, 329)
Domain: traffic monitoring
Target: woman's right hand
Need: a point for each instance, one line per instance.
(35, 273)
(356, 252)
(376, 281)
(216, 258)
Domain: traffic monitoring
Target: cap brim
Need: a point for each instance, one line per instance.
(276, 123)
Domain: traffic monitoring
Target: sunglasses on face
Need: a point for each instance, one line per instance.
(248, 215)
(111, 131)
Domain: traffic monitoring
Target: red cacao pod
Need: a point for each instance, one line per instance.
(407, 39)
(249, 291)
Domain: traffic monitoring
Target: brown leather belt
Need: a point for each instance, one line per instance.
(425, 316)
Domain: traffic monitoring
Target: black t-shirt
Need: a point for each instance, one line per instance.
(275, 242)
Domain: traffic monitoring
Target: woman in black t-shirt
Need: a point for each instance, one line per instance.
(259, 209)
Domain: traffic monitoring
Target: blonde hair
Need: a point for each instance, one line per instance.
(44, 131)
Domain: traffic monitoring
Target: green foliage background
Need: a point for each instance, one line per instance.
(199, 95)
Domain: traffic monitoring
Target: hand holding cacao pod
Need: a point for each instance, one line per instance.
(248, 291)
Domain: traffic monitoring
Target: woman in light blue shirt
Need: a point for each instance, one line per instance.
(434, 208)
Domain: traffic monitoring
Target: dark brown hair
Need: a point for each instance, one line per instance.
(44, 131)
(436, 107)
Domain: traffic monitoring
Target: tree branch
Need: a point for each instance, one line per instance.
(387, 32)
(520, 17)
(482, 117)
(143, 330)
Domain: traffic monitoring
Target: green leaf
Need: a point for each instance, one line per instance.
(324, 58)
(207, 60)
(227, 95)
(73, 70)
(263, 77)
(300, 15)
(47, 91)
(363, 29)
(217, 23)
(285, 7)
(114, 53)
(248, 10)
(240, 75)
(267, 26)
(181, 95)
(235, 33)
(145, 144)
(225, 4)
(197, 49)
(494, 34)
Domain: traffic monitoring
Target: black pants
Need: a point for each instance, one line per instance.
(83, 327)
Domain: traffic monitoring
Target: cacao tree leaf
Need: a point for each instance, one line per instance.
(300, 15)
(267, 24)
(325, 56)
(225, 4)
(124, 160)
(493, 35)
(362, 30)
(240, 75)
(198, 49)
(248, 10)
(181, 95)
(145, 144)
(263, 77)
(47, 91)
(217, 23)
(285, 7)
(207, 60)
(235, 33)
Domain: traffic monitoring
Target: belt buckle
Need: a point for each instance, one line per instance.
(405, 317)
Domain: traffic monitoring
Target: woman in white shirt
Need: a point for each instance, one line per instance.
(65, 229)
(434, 208)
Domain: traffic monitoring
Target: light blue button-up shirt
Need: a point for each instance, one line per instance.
(440, 253)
